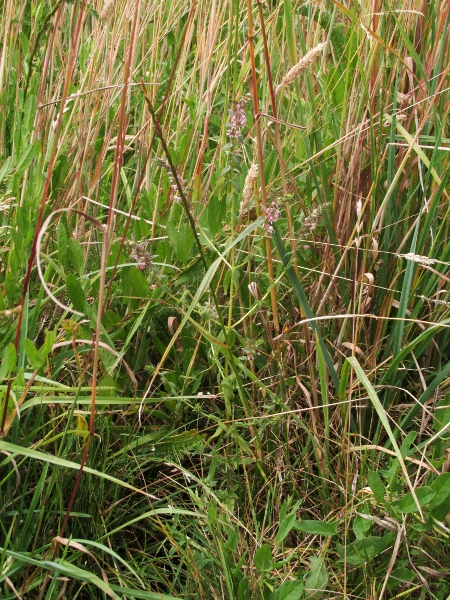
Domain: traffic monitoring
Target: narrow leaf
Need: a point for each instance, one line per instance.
(384, 421)
(316, 527)
(285, 527)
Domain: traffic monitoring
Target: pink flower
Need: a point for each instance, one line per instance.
(273, 213)
(238, 121)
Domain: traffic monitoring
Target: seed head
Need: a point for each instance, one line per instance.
(108, 9)
(247, 193)
(301, 66)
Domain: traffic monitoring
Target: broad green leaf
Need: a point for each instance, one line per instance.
(364, 550)
(316, 527)
(212, 216)
(316, 579)
(401, 576)
(442, 414)
(76, 293)
(32, 354)
(440, 504)
(9, 360)
(407, 504)
(289, 590)
(263, 558)
(11, 288)
(76, 255)
(285, 527)
(406, 444)
(5, 168)
(46, 348)
(181, 240)
(361, 526)
(231, 276)
(243, 592)
(377, 486)
(138, 283)
(25, 159)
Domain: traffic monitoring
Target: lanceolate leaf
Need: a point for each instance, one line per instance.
(316, 527)
(182, 240)
(317, 579)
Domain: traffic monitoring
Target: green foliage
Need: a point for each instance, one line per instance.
(228, 410)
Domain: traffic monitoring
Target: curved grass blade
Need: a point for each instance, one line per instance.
(384, 421)
(15, 450)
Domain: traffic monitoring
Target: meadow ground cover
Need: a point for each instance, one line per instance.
(224, 307)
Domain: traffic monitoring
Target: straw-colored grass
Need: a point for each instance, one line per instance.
(224, 299)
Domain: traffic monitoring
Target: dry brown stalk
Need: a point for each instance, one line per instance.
(302, 64)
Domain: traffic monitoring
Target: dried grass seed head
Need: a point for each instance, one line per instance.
(301, 66)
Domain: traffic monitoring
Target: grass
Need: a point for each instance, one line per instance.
(224, 307)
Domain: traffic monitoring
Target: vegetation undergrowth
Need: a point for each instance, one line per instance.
(224, 307)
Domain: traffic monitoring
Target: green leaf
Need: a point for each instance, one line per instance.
(5, 168)
(377, 486)
(316, 579)
(440, 504)
(232, 275)
(9, 360)
(76, 293)
(406, 444)
(181, 240)
(300, 293)
(243, 592)
(407, 504)
(134, 285)
(62, 241)
(361, 526)
(138, 283)
(384, 421)
(442, 414)
(263, 558)
(47, 346)
(14, 450)
(11, 288)
(76, 255)
(316, 527)
(285, 527)
(32, 354)
(364, 550)
(61, 567)
(212, 216)
(289, 590)
(26, 158)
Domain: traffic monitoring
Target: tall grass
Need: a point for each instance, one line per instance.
(224, 299)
